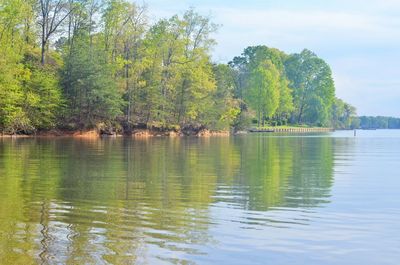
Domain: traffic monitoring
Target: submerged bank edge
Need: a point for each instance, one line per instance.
(143, 133)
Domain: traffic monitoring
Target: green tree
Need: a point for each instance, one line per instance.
(263, 91)
(95, 98)
(30, 96)
(110, 66)
(42, 93)
(245, 66)
(88, 82)
(343, 115)
(313, 88)
(125, 26)
(179, 79)
(197, 78)
(225, 108)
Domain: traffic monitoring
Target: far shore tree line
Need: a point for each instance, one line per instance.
(378, 122)
(84, 64)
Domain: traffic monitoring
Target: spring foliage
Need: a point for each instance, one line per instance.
(75, 64)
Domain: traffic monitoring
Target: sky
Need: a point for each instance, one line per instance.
(360, 39)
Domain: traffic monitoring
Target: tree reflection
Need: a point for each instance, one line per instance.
(122, 200)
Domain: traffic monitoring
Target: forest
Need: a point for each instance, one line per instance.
(85, 64)
(379, 122)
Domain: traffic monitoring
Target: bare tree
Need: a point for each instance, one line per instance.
(51, 16)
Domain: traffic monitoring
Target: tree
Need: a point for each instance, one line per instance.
(285, 107)
(42, 94)
(51, 15)
(224, 108)
(93, 97)
(245, 65)
(197, 80)
(313, 88)
(29, 94)
(343, 115)
(263, 91)
(178, 79)
(379, 122)
(125, 27)
(109, 66)
(88, 78)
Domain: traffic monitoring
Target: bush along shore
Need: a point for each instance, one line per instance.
(82, 68)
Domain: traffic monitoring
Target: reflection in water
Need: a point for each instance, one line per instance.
(124, 201)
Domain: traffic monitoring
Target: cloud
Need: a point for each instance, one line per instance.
(369, 83)
(296, 28)
(360, 39)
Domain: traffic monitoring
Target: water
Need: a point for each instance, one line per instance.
(251, 199)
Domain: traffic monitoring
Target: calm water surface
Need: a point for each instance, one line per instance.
(251, 199)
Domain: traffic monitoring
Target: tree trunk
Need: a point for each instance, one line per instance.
(43, 52)
(182, 101)
(263, 119)
(300, 114)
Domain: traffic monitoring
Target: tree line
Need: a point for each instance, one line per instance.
(83, 64)
(379, 122)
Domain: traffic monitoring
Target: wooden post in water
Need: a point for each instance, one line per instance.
(355, 132)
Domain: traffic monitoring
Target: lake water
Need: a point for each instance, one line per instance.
(253, 199)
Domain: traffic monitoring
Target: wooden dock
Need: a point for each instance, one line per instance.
(291, 130)
(260, 131)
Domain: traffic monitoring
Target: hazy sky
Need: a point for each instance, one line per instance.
(360, 39)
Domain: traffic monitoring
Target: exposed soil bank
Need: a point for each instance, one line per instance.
(144, 133)
(137, 133)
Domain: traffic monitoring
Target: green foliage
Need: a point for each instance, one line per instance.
(285, 107)
(288, 89)
(343, 115)
(43, 98)
(379, 122)
(263, 91)
(262, 84)
(110, 68)
(89, 86)
(178, 85)
(225, 109)
(30, 96)
(313, 88)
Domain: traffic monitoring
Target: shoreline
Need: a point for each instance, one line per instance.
(95, 134)
(148, 133)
